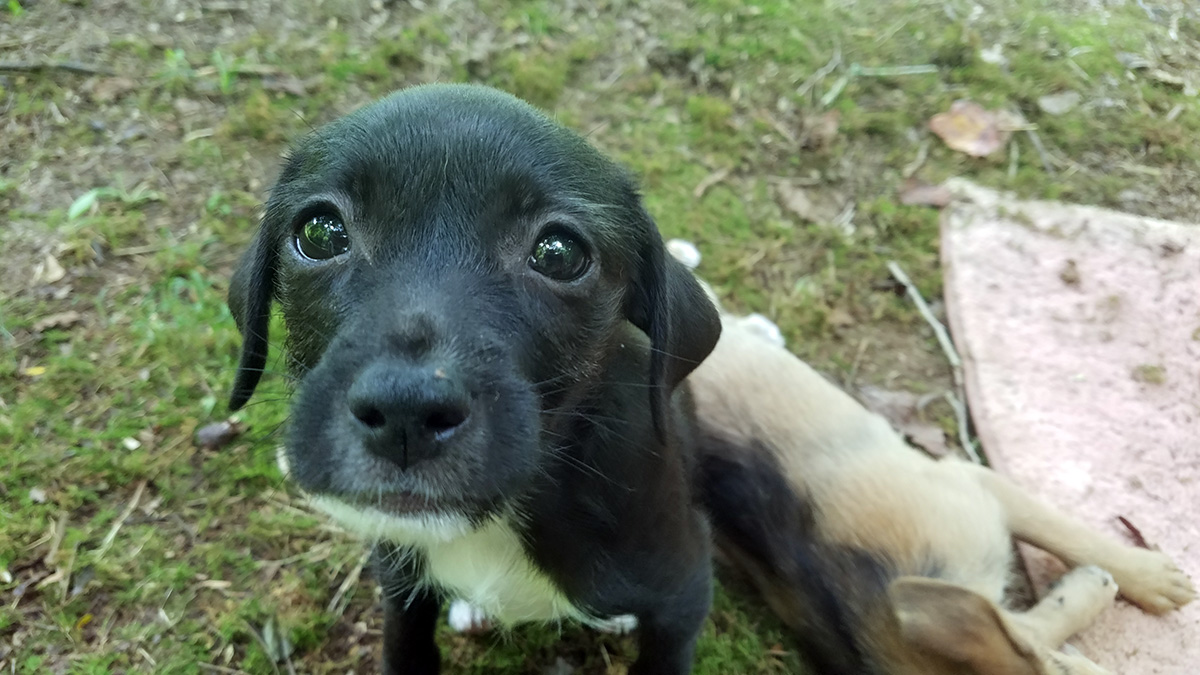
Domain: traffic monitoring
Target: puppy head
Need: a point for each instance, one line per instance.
(453, 267)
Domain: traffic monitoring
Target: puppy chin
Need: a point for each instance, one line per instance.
(419, 529)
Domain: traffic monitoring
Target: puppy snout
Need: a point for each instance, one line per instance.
(408, 413)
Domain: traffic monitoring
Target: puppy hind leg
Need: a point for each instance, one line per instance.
(1070, 662)
(1071, 605)
(1149, 579)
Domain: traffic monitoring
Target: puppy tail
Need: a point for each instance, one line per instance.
(768, 532)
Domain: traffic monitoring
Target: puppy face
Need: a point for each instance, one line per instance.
(454, 269)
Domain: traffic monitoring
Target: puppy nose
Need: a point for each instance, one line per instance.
(405, 413)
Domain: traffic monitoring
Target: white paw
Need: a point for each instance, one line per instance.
(617, 625)
(467, 618)
(1152, 581)
(685, 252)
(764, 328)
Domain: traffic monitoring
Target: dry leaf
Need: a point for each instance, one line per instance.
(916, 193)
(821, 207)
(108, 89)
(1059, 104)
(219, 434)
(839, 318)
(288, 84)
(48, 271)
(821, 131)
(903, 410)
(970, 129)
(60, 320)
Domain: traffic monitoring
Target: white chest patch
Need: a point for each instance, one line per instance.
(486, 566)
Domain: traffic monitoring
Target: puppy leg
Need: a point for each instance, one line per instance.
(410, 616)
(667, 635)
(1070, 662)
(1146, 578)
(1071, 605)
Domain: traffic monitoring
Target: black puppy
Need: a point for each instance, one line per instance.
(489, 342)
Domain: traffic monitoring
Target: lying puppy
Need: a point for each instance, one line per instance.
(883, 560)
(488, 340)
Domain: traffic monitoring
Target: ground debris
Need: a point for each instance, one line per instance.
(971, 129)
(906, 413)
(219, 434)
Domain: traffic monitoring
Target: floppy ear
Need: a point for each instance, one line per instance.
(961, 626)
(250, 292)
(668, 304)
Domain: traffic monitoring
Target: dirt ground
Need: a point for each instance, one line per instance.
(137, 142)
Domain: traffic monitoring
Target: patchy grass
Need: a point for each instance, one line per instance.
(129, 549)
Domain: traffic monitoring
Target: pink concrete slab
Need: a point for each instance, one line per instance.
(1080, 333)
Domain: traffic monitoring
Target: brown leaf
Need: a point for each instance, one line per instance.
(288, 84)
(970, 129)
(219, 434)
(812, 206)
(916, 193)
(904, 411)
(60, 320)
(108, 89)
(839, 318)
(821, 131)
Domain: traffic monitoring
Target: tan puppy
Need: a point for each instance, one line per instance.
(883, 560)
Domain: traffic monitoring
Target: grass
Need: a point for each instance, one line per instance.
(217, 562)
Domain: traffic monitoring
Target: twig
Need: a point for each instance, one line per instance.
(823, 72)
(710, 180)
(835, 91)
(778, 127)
(858, 357)
(262, 643)
(112, 533)
(914, 166)
(336, 606)
(59, 528)
(39, 66)
(1138, 539)
(213, 668)
(943, 338)
(891, 71)
(1014, 158)
(1041, 149)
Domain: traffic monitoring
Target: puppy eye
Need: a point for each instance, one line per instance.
(322, 238)
(559, 256)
